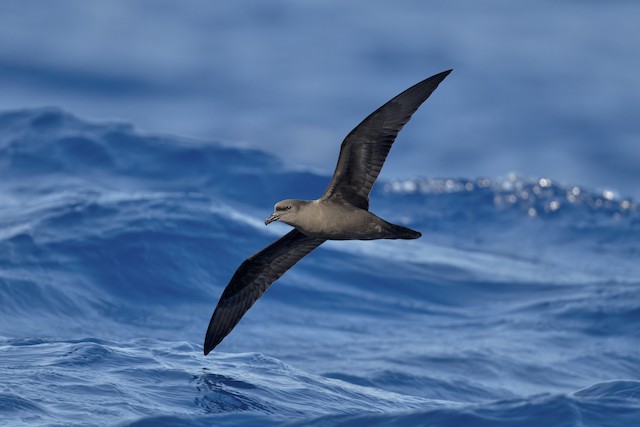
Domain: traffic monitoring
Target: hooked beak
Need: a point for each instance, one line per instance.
(274, 217)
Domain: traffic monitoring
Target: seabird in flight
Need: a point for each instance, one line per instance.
(342, 213)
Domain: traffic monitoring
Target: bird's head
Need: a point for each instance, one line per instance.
(285, 211)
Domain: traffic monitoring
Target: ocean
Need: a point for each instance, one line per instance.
(519, 306)
(143, 143)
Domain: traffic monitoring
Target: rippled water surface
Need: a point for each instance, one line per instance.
(519, 306)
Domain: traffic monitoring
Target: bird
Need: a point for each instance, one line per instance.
(341, 213)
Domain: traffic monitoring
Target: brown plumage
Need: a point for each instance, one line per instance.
(340, 214)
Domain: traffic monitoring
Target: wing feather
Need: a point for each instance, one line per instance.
(365, 149)
(252, 279)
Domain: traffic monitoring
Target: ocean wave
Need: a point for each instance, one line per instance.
(518, 306)
(141, 377)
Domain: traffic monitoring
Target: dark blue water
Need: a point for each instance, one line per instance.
(542, 88)
(519, 306)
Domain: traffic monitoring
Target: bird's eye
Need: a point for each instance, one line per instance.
(288, 207)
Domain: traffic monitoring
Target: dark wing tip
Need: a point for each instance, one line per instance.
(208, 345)
(209, 341)
(222, 322)
(436, 79)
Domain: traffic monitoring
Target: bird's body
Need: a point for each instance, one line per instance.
(341, 213)
(331, 220)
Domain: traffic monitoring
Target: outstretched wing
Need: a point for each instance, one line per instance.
(252, 279)
(365, 149)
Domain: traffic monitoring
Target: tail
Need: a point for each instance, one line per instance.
(400, 232)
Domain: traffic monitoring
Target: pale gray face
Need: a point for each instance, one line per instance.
(283, 211)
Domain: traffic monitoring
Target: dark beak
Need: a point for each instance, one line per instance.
(274, 217)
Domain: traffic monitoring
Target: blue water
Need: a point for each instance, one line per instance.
(542, 88)
(520, 305)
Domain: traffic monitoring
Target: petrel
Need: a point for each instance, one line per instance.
(342, 213)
